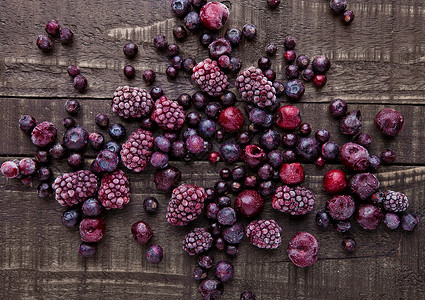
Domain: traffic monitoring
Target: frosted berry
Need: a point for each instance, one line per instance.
(73, 188)
(231, 119)
(233, 35)
(43, 134)
(166, 179)
(214, 15)
(71, 218)
(192, 21)
(154, 254)
(91, 207)
(52, 27)
(292, 174)
(289, 43)
(44, 43)
(288, 117)
(348, 17)
(303, 249)
(66, 36)
(208, 76)
(44, 190)
(294, 89)
(73, 71)
(321, 64)
(168, 114)
(75, 161)
(351, 124)
(107, 160)
(87, 250)
(10, 169)
(224, 271)
(186, 204)
(234, 234)
(211, 288)
(338, 6)
(349, 244)
(264, 234)
(391, 220)
(319, 80)
(75, 138)
(80, 83)
(114, 191)
(409, 221)
(323, 219)
(296, 201)
(27, 123)
(334, 181)
(142, 232)
(369, 216)
(395, 201)
(253, 155)
(230, 152)
(92, 230)
(137, 150)
(388, 156)
(197, 241)
(341, 207)
(363, 185)
(354, 157)
(248, 295)
(102, 120)
(150, 205)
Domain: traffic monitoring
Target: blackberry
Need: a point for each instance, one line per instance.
(73, 188)
(253, 86)
(197, 241)
(294, 200)
(137, 150)
(395, 201)
(264, 234)
(168, 114)
(131, 102)
(114, 191)
(186, 204)
(208, 76)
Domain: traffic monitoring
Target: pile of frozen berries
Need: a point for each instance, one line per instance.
(265, 141)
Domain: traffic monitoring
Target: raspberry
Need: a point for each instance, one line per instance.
(208, 76)
(395, 201)
(114, 191)
(264, 234)
(296, 201)
(186, 204)
(131, 102)
(253, 86)
(197, 241)
(73, 188)
(168, 114)
(137, 150)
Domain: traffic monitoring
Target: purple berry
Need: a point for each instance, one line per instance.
(206, 128)
(409, 221)
(43, 134)
(91, 207)
(206, 261)
(28, 166)
(289, 43)
(180, 7)
(87, 250)
(44, 190)
(96, 140)
(321, 64)
(27, 123)
(369, 216)
(160, 42)
(57, 151)
(172, 50)
(112, 146)
(363, 139)
(269, 140)
(292, 72)
(220, 47)
(71, 218)
(248, 295)
(392, 221)
(338, 6)
(129, 71)
(150, 205)
(192, 21)
(226, 216)
(107, 160)
(75, 160)
(338, 108)
(68, 122)
(348, 17)
(80, 83)
(343, 226)
(166, 179)
(234, 234)
(307, 74)
(302, 62)
(351, 124)
(349, 244)
(44, 174)
(211, 289)
(388, 156)
(76, 138)
(249, 31)
(154, 254)
(230, 152)
(102, 120)
(52, 27)
(234, 36)
(130, 50)
(323, 219)
(72, 106)
(159, 160)
(294, 89)
(66, 36)
(199, 274)
(224, 271)
(42, 156)
(117, 131)
(44, 43)
(73, 71)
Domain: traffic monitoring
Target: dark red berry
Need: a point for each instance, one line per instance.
(72, 106)
(66, 36)
(289, 56)
(73, 71)
(363, 139)
(52, 27)
(321, 64)
(102, 120)
(91, 207)
(249, 31)
(92, 230)
(142, 232)
(305, 129)
(129, 71)
(154, 254)
(253, 155)
(302, 62)
(211, 288)
(271, 49)
(369, 216)
(338, 108)
(150, 205)
(214, 15)
(334, 181)
(307, 74)
(389, 121)
(249, 203)
(289, 43)
(349, 244)
(273, 3)
(388, 156)
(354, 157)
(234, 234)
(323, 219)
(341, 207)
(160, 42)
(87, 250)
(291, 72)
(231, 119)
(68, 122)
(80, 83)
(409, 221)
(224, 271)
(303, 249)
(166, 179)
(27, 123)
(319, 80)
(75, 160)
(363, 185)
(44, 43)
(130, 50)
(43, 134)
(292, 174)
(288, 117)
(42, 156)
(348, 17)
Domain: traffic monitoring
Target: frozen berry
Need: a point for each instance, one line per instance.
(92, 230)
(354, 157)
(142, 232)
(43, 134)
(27, 123)
(75, 160)
(130, 50)
(349, 244)
(102, 120)
(249, 203)
(87, 250)
(341, 207)
(66, 36)
(150, 205)
(73, 71)
(224, 271)
(52, 27)
(249, 31)
(289, 43)
(231, 119)
(303, 249)
(44, 43)
(351, 124)
(154, 254)
(321, 64)
(129, 71)
(409, 221)
(369, 216)
(180, 7)
(214, 15)
(388, 156)
(91, 207)
(363, 185)
(80, 83)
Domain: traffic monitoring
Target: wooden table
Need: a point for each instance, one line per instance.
(377, 62)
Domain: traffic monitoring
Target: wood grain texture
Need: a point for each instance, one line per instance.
(377, 62)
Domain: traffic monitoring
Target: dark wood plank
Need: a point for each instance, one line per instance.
(408, 145)
(376, 62)
(373, 59)
(54, 267)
